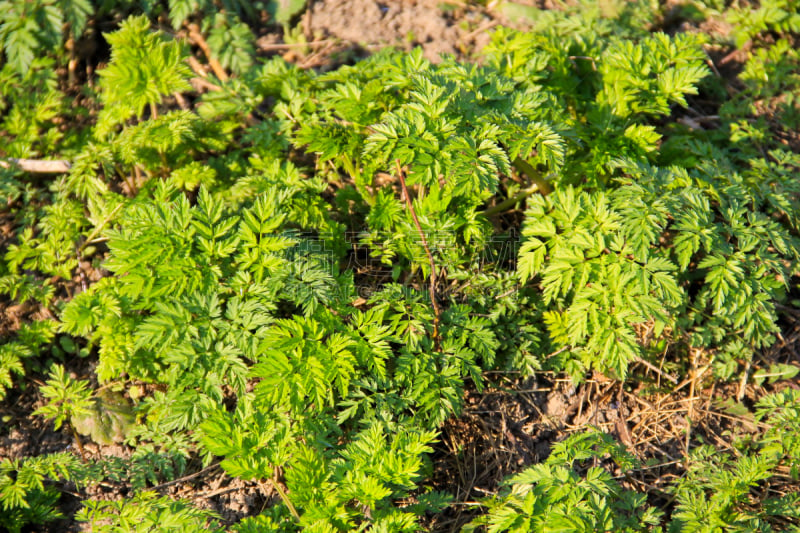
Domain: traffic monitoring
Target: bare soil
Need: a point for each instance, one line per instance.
(438, 27)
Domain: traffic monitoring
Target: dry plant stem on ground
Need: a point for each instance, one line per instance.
(37, 166)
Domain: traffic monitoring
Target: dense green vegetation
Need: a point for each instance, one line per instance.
(299, 273)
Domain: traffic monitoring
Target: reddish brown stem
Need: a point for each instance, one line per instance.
(79, 443)
(432, 286)
(199, 40)
(200, 83)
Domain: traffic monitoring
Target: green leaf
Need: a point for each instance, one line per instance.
(282, 11)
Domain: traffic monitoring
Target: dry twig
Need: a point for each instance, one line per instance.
(279, 47)
(657, 370)
(38, 166)
(187, 477)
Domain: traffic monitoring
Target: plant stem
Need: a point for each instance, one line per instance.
(657, 370)
(538, 184)
(79, 443)
(38, 166)
(197, 37)
(353, 169)
(432, 287)
(534, 175)
(284, 497)
(126, 179)
(98, 229)
(510, 202)
(278, 47)
(202, 83)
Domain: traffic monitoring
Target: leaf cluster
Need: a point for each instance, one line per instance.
(266, 291)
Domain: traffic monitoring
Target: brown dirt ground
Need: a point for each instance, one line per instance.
(404, 24)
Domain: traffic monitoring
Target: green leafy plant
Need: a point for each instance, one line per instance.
(67, 400)
(773, 15)
(144, 67)
(553, 496)
(719, 490)
(298, 274)
(593, 252)
(31, 338)
(26, 496)
(30, 28)
(145, 512)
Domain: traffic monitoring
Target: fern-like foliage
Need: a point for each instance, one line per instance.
(301, 272)
(25, 496)
(610, 261)
(144, 67)
(554, 496)
(772, 15)
(147, 511)
(31, 339)
(718, 491)
(601, 286)
(646, 77)
(29, 27)
(67, 398)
